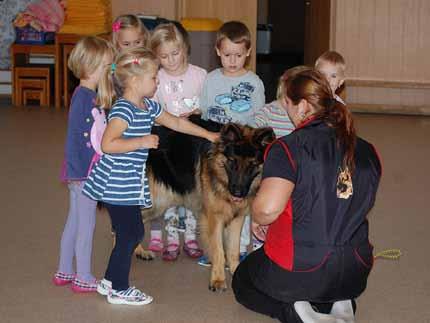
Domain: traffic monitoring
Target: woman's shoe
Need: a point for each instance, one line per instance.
(343, 310)
(192, 249)
(171, 252)
(307, 314)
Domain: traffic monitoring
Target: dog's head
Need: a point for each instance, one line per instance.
(238, 158)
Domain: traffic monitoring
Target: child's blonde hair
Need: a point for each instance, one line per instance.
(331, 57)
(236, 32)
(133, 62)
(125, 22)
(281, 89)
(87, 55)
(169, 33)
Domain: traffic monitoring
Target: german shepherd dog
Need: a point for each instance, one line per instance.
(216, 181)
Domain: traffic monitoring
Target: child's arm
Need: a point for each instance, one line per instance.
(261, 119)
(113, 142)
(187, 114)
(183, 125)
(258, 98)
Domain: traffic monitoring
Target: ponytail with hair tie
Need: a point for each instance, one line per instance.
(333, 102)
(330, 103)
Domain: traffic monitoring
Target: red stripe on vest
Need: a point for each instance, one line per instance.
(279, 243)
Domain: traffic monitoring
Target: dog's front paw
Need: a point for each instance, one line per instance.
(146, 256)
(143, 254)
(218, 286)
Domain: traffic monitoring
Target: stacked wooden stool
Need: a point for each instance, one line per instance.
(32, 83)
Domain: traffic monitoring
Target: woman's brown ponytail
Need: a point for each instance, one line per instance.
(312, 86)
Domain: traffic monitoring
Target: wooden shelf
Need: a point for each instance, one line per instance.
(20, 54)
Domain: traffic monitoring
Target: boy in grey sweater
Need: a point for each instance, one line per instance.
(232, 93)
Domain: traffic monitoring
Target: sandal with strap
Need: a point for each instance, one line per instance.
(171, 252)
(192, 249)
(156, 245)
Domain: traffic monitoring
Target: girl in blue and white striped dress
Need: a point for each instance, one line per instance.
(119, 178)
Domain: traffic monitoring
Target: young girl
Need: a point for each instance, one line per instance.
(180, 84)
(119, 179)
(128, 32)
(86, 124)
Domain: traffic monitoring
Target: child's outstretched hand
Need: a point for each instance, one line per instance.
(149, 141)
(213, 136)
(187, 114)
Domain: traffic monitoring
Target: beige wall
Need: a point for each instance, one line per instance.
(386, 45)
(163, 8)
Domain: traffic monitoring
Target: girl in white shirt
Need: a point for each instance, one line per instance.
(180, 84)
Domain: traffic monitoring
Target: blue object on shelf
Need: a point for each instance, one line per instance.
(29, 35)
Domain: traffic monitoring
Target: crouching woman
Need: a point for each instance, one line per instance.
(319, 184)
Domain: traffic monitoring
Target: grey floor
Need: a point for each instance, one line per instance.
(33, 205)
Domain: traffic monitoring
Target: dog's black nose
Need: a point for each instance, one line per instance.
(238, 193)
(237, 190)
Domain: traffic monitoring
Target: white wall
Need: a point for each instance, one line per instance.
(5, 82)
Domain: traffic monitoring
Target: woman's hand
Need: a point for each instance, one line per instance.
(149, 141)
(259, 231)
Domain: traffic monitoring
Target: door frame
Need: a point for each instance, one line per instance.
(319, 28)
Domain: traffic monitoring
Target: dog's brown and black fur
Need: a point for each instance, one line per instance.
(216, 181)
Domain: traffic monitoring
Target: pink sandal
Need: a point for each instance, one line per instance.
(61, 279)
(192, 249)
(156, 245)
(171, 252)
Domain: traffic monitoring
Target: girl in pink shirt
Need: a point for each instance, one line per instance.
(180, 84)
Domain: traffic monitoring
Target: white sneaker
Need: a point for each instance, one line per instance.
(343, 310)
(104, 286)
(130, 296)
(308, 315)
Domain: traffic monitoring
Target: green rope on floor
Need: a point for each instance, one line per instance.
(391, 254)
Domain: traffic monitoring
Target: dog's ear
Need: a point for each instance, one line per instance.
(230, 133)
(263, 137)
